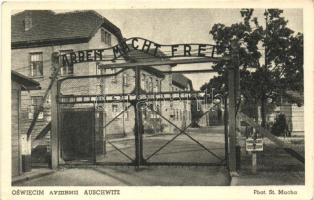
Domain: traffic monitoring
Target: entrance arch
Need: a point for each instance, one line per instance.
(205, 54)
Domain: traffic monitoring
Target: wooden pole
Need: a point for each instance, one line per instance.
(254, 162)
(235, 61)
(54, 118)
(232, 120)
(234, 95)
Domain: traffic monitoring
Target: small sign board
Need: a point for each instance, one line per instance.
(254, 145)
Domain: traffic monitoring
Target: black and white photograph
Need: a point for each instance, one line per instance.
(177, 96)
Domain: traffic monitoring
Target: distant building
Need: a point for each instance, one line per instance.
(294, 115)
(214, 115)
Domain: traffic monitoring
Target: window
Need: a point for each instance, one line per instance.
(105, 37)
(177, 114)
(147, 85)
(114, 109)
(113, 78)
(99, 89)
(143, 81)
(180, 114)
(27, 22)
(159, 86)
(99, 70)
(125, 80)
(35, 106)
(66, 67)
(151, 84)
(171, 104)
(156, 86)
(36, 64)
(158, 111)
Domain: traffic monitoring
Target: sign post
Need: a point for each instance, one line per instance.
(254, 145)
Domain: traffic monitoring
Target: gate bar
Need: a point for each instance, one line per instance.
(183, 132)
(168, 62)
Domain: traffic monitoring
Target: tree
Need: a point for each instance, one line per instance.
(263, 81)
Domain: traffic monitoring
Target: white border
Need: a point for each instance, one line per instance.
(138, 193)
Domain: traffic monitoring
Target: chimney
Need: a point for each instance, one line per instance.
(27, 22)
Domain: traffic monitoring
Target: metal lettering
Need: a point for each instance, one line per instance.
(173, 49)
(187, 50)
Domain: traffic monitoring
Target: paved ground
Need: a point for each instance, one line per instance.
(128, 176)
(182, 149)
(275, 166)
(207, 147)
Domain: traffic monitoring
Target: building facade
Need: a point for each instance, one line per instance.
(37, 35)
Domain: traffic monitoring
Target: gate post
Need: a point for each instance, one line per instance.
(54, 135)
(232, 120)
(138, 129)
(234, 95)
(235, 61)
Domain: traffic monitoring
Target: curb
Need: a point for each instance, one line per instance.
(30, 177)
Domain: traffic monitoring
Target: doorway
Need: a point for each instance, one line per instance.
(78, 129)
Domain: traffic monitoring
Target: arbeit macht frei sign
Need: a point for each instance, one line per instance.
(140, 44)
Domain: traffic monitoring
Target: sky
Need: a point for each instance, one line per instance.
(170, 26)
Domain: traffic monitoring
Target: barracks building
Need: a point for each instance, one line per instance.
(36, 35)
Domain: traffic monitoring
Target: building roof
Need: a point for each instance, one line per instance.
(49, 28)
(181, 80)
(27, 83)
(139, 56)
(295, 97)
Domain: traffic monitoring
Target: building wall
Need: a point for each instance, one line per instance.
(297, 120)
(21, 63)
(116, 85)
(179, 112)
(15, 144)
(294, 116)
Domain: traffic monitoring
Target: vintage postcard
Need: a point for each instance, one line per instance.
(157, 100)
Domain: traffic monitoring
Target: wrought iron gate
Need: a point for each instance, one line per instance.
(144, 127)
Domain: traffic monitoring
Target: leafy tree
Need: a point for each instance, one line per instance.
(263, 81)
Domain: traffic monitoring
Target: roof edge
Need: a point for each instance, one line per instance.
(28, 83)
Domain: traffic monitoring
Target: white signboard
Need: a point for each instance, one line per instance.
(254, 145)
